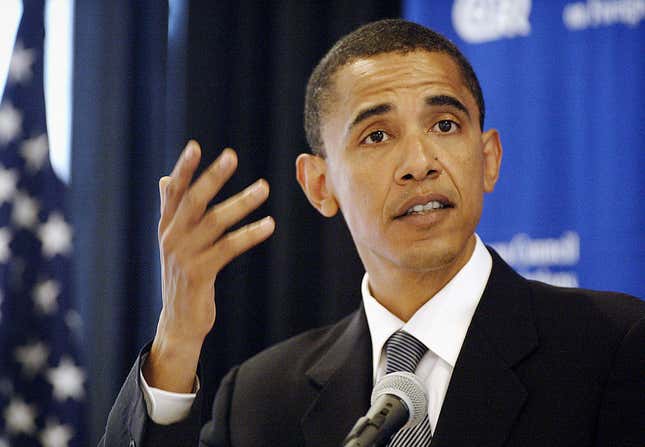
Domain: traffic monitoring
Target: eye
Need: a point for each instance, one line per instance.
(378, 136)
(445, 127)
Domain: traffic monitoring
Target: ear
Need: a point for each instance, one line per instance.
(492, 158)
(311, 172)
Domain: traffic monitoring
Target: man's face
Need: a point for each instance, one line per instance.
(406, 160)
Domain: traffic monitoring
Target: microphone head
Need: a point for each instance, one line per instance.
(407, 387)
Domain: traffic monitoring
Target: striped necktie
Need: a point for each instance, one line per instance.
(404, 352)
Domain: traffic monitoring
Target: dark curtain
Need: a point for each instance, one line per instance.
(118, 151)
(227, 73)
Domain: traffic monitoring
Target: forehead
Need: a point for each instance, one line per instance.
(375, 78)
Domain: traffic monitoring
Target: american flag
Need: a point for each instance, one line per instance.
(42, 383)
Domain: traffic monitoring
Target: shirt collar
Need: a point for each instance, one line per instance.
(441, 323)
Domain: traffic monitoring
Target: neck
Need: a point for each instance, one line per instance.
(403, 291)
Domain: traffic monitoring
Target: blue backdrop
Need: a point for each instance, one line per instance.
(564, 83)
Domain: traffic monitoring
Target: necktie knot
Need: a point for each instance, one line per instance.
(404, 352)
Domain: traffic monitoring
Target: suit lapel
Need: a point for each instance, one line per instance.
(485, 395)
(343, 379)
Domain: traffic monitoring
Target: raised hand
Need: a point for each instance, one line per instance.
(194, 247)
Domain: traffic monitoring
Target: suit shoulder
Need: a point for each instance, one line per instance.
(276, 379)
(299, 352)
(613, 311)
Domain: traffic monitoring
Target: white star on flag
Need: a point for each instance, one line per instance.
(74, 321)
(46, 295)
(21, 62)
(55, 236)
(56, 435)
(8, 182)
(20, 417)
(10, 122)
(25, 211)
(34, 151)
(32, 358)
(67, 380)
(5, 240)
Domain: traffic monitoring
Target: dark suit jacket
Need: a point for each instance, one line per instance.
(540, 366)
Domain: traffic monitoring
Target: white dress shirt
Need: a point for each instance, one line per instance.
(441, 324)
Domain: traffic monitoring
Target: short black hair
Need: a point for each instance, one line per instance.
(383, 36)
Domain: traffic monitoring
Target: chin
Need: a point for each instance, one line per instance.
(434, 255)
(425, 260)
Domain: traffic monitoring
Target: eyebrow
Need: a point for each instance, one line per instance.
(364, 114)
(446, 100)
(436, 100)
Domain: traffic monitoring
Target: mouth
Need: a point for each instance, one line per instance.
(424, 205)
(428, 207)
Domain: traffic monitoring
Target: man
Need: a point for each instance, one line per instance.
(394, 115)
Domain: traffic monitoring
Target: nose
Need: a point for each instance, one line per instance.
(418, 161)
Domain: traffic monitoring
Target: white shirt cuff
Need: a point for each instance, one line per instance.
(166, 407)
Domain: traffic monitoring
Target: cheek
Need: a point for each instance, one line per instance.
(362, 194)
(471, 186)
(466, 170)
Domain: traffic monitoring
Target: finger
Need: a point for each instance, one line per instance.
(196, 199)
(226, 214)
(163, 215)
(235, 243)
(180, 177)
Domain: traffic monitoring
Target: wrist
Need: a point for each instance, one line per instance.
(172, 364)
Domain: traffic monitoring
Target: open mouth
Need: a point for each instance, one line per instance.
(425, 205)
(428, 207)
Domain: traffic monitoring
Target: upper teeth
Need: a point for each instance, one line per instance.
(434, 204)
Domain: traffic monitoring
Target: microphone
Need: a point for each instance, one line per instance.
(399, 400)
